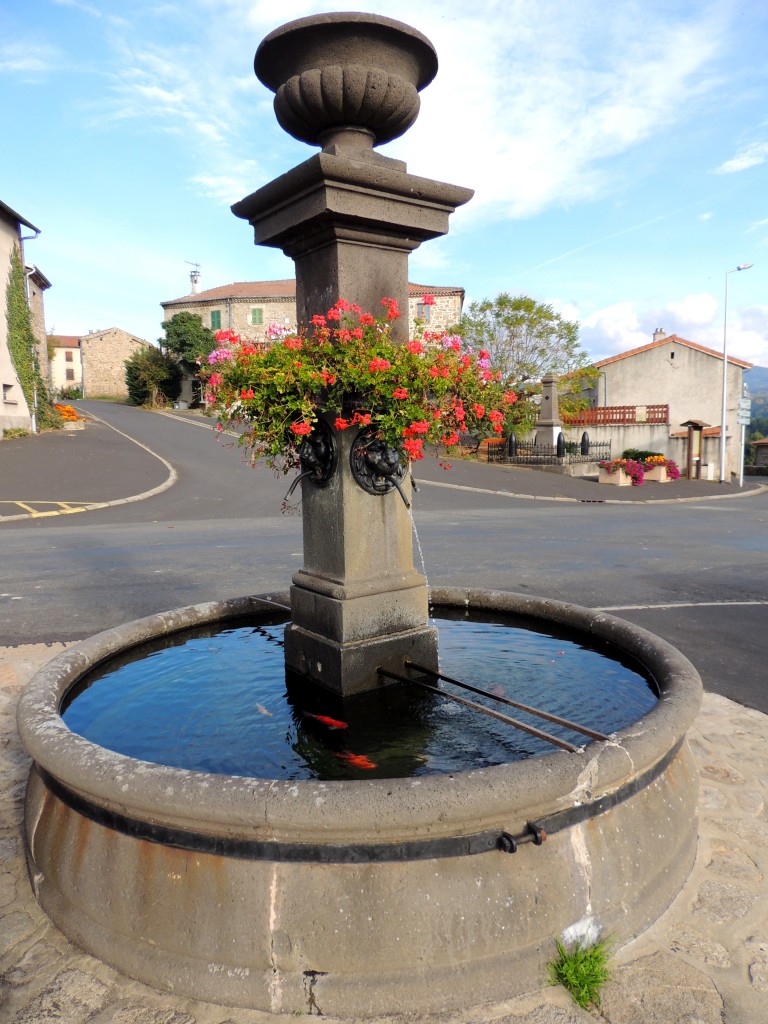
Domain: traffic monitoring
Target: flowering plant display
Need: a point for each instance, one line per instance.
(673, 471)
(429, 390)
(632, 468)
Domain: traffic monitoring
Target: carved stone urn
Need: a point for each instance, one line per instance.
(346, 79)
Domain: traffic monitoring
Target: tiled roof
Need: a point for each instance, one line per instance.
(241, 290)
(676, 340)
(706, 432)
(65, 340)
(432, 289)
(285, 289)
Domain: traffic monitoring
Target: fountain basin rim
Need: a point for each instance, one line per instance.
(380, 810)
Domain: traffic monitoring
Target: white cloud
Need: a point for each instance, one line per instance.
(694, 311)
(28, 59)
(705, 216)
(751, 156)
(626, 325)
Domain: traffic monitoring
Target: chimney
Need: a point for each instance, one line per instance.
(659, 334)
(194, 278)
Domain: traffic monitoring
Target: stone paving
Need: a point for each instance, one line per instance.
(704, 962)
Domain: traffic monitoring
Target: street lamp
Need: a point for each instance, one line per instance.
(741, 266)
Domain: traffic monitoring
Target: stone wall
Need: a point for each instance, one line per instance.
(14, 412)
(239, 314)
(104, 354)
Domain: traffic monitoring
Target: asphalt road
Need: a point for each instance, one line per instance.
(693, 572)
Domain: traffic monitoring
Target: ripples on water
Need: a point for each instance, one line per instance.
(217, 700)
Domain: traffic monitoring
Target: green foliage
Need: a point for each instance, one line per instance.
(15, 432)
(151, 377)
(22, 346)
(582, 971)
(187, 339)
(638, 455)
(71, 394)
(526, 339)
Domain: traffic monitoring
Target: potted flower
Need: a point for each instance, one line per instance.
(659, 469)
(621, 473)
(346, 369)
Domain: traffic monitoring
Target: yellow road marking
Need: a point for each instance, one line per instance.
(62, 508)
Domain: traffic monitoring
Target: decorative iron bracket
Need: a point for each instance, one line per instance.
(375, 466)
(318, 455)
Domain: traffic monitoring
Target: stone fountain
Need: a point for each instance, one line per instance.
(380, 896)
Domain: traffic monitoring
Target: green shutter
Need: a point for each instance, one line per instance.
(215, 319)
(257, 316)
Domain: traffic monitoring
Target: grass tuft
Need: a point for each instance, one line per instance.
(582, 970)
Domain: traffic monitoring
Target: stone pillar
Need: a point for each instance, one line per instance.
(349, 218)
(548, 425)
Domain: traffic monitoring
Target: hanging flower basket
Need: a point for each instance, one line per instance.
(428, 391)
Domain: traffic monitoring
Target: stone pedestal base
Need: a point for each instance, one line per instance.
(347, 668)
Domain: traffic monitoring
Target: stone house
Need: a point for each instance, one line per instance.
(66, 363)
(14, 410)
(95, 362)
(249, 307)
(761, 452)
(644, 396)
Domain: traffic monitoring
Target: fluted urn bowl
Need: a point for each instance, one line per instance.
(333, 74)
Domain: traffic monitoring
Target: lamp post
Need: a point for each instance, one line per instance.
(741, 266)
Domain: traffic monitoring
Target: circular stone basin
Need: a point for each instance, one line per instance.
(366, 896)
(218, 699)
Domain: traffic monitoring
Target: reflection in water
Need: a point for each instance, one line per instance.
(218, 700)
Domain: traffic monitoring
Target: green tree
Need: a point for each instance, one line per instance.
(22, 345)
(526, 340)
(187, 339)
(150, 374)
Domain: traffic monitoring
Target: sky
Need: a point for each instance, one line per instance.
(618, 153)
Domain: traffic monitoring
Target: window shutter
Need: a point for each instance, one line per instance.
(257, 316)
(215, 319)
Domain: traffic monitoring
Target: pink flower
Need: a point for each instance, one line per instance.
(379, 364)
(414, 448)
(393, 311)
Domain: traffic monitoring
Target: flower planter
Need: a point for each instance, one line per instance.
(619, 478)
(656, 474)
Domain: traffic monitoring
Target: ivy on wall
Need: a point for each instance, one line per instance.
(22, 344)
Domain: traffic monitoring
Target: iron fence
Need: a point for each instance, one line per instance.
(565, 453)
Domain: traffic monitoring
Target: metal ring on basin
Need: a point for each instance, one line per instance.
(192, 882)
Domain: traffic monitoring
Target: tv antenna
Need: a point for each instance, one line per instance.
(194, 275)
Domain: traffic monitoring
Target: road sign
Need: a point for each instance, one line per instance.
(745, 406)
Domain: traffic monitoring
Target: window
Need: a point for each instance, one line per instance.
(257, 316)
(67, 357)
(8, 394)
(215, 319)
(70, 374)
(422, 311)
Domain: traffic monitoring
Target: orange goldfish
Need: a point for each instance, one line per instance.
(332, 723)
(355, 760)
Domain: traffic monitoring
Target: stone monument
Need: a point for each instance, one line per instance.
(349, 217)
